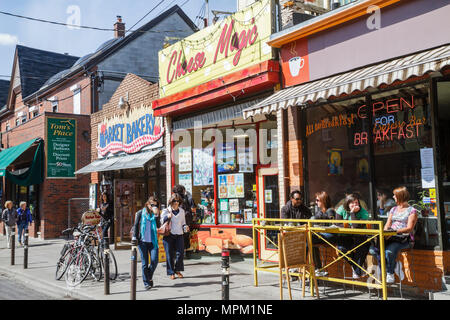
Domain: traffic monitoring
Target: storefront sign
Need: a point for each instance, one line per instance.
(130, 133)
(61, 147)
(91, 218)
(233, 44)
(295, 62)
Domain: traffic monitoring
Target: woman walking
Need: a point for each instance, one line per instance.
(24, 219)
(174, 242)
(146, 226)
(9, 216)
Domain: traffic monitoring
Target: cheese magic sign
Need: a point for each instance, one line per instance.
(130, 133)
(233, 44)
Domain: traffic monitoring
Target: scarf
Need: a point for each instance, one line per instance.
(149, 217)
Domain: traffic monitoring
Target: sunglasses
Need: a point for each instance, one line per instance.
(177, 201)
(154, 205)
(297, 199)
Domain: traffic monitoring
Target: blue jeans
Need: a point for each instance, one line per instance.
(174, 247)
(22, 229)
(391, 252)
(146, 249)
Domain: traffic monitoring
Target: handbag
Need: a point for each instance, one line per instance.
(400, 238)
(164, 229)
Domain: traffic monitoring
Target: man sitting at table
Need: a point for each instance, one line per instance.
(294, 208)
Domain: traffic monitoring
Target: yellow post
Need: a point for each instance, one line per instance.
(311, 260)
(255, 272)
(383, 261)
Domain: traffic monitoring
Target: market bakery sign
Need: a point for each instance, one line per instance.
(233, 44)
(129, 133)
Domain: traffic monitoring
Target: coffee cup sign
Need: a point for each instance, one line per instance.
(295, 65)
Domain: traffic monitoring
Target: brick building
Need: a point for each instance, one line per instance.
(46, 86)
(135, 169)
(350, 75)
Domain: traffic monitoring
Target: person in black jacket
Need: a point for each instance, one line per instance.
(187, 205)
(294, 208)
(106, 211)
(9, 217)
(146, 224)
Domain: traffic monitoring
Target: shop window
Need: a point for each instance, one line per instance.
(220, 170)
(17, 122)
(55, 106)
(337, 152)
(443, 101)
(401, 134)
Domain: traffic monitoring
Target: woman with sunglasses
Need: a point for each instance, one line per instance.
(174, 242)
(145, 231)
(323, 211)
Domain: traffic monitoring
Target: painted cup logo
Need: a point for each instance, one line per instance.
(295, 65)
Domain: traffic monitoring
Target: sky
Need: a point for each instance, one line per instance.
(94, 13)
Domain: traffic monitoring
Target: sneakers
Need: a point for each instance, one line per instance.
(147, 288)
(321, 273)
(355, 275)
(390, 278)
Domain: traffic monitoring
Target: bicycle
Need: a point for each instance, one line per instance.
(67, 253)
(113, 271)
(80, 265)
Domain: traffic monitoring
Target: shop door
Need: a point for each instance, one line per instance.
(124, 212)
(268, 207)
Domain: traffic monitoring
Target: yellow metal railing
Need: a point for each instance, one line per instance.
(373, 230)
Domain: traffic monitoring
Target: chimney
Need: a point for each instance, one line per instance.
(119, 28)
(297, 11)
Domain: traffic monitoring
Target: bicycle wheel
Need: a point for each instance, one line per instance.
(113, 272)
(96, 267)
(62, 264)
(78, 268)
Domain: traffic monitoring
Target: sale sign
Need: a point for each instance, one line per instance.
(230, 45)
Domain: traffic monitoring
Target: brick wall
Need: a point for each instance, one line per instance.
(139, 91)
(54, 194)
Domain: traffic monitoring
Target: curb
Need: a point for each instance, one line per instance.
(45, 287)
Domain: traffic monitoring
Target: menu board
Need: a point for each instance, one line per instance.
(292, 247)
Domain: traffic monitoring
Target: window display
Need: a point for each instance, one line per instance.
(225, 171)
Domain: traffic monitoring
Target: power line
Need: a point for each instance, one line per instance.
(82, 27)
(147, 14)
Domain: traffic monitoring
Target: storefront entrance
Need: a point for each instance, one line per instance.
(128, 199)
(268, 207)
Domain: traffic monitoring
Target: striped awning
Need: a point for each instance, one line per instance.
(414, 65)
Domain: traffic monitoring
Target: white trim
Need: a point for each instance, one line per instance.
(75, 87)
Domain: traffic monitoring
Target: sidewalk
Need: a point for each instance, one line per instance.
(202, 279)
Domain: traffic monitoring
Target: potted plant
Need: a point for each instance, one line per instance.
(421, 206)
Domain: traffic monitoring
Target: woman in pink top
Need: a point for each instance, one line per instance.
(402, 218)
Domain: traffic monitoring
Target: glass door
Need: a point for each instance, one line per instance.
(124, 204)
(269, 207)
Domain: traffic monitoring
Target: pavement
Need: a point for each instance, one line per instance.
(202, 279)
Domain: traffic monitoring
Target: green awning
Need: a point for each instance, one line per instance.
(34, 174)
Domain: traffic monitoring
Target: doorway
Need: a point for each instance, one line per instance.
(268, 207)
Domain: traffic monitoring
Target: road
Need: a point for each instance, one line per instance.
(11, 289)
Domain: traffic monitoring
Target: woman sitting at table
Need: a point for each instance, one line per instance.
(323, 211)
(352, 210)
(402, 218)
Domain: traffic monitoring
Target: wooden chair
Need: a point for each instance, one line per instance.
(292, 254)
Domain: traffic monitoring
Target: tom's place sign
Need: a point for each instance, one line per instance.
(230, 45)
(61, 147)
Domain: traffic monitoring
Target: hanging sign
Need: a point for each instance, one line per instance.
(61, 147)
(230, 45)
(130, 133)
